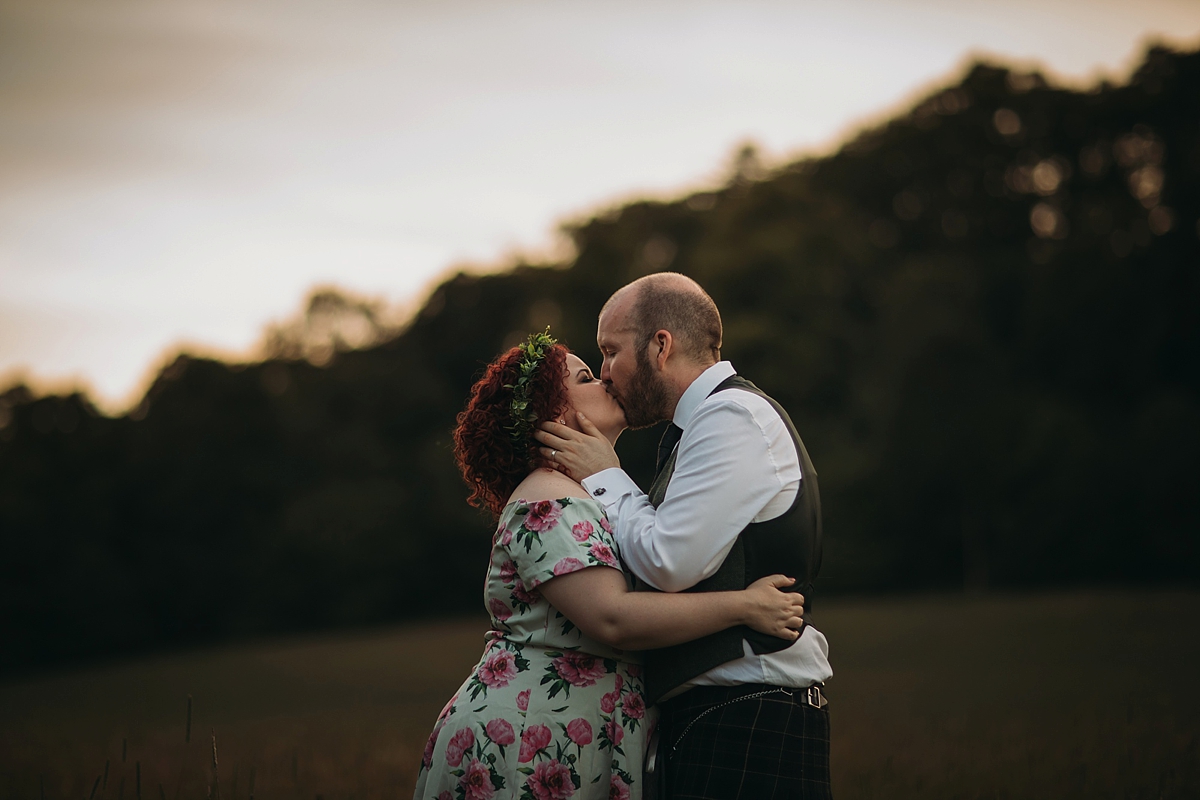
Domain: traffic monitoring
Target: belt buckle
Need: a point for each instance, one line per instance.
(814, 697)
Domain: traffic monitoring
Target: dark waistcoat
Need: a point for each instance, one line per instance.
(788, 544)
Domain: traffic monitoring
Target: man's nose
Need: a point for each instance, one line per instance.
(605, 373)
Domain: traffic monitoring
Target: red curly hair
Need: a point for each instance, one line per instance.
(490, 461)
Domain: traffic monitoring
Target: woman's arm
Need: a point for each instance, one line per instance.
(598, 602)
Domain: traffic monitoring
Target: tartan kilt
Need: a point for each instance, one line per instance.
(753, 741)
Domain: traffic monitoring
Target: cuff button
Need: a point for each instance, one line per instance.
(599, 491)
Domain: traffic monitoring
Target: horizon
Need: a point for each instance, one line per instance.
(351, 224)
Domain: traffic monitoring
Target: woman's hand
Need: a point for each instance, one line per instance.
(598, 601)
(772, 611)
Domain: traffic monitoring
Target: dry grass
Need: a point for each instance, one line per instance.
(1054, 696)
(1060, 696)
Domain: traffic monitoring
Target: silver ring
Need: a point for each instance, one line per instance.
(553, 454)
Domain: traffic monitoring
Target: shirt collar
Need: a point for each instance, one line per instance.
(701, 388)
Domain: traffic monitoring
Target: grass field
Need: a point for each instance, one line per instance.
(1073, 695)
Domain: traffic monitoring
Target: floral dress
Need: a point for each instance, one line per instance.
(548, 713)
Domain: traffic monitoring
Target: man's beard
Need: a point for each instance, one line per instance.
(645, 400)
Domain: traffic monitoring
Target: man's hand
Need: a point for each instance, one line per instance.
(578, 454)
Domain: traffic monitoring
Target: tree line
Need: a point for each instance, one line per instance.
(983, 316)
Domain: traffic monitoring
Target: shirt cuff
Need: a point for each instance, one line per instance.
(609, 485)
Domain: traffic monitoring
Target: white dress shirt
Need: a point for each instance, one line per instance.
(736, 464)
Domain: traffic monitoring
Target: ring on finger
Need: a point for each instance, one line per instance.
(553, 455)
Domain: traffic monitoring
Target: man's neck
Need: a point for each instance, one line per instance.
(686, 374)
(682, 378)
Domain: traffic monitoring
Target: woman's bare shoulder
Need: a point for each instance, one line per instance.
(547, 484)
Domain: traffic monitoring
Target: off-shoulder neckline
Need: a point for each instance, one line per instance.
(572, 498)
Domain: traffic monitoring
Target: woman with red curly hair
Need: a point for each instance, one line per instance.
(555, 708)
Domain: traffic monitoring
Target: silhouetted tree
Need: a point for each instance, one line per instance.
(984, 316)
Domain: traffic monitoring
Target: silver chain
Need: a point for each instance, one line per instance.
(708, 711)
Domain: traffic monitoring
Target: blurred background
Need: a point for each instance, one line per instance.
(253, 254)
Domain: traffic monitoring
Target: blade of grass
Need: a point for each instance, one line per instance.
(214, 790)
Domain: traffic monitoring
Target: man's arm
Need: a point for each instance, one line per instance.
(724, 476)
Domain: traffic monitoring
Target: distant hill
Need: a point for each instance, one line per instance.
(983, 315)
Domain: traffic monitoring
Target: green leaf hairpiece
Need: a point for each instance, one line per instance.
(533, 352)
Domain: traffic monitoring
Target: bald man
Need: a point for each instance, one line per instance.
(735, 498)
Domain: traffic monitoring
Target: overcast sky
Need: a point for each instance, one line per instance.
(181, 172)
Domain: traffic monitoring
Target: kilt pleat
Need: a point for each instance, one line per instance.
(751, 742)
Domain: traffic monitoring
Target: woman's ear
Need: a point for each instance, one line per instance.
(569, 419)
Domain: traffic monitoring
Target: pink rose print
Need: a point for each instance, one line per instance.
(551, 781)
(498, 669)
(523, 595)
(579, 669)
(634, 670)
(427, 758)
(476, 782)
(505, 538)
(615, 732)
(500, 732)
(635, 706)
(445, 795)
(462, 741)
(523, 700)
(609, 701)
(533, 739)
(446, 708)
(618, 789)
(582, 530)
(508, 571)
(579, 731)
(568, 565)
(500, 611)
(604, 523)
(603, 553)
(543, 515)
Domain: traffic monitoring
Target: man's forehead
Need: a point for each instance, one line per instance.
(612, 327)
(615, 318)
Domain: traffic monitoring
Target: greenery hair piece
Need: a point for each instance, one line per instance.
(533, 352)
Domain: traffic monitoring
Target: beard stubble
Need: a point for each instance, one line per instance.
(646, 400)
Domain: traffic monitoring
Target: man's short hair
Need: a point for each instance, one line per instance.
(674, 302)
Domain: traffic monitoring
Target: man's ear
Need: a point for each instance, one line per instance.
(662, 345)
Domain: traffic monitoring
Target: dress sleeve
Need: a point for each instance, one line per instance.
(557, 537)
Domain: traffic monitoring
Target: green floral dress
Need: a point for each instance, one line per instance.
(548, 713)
